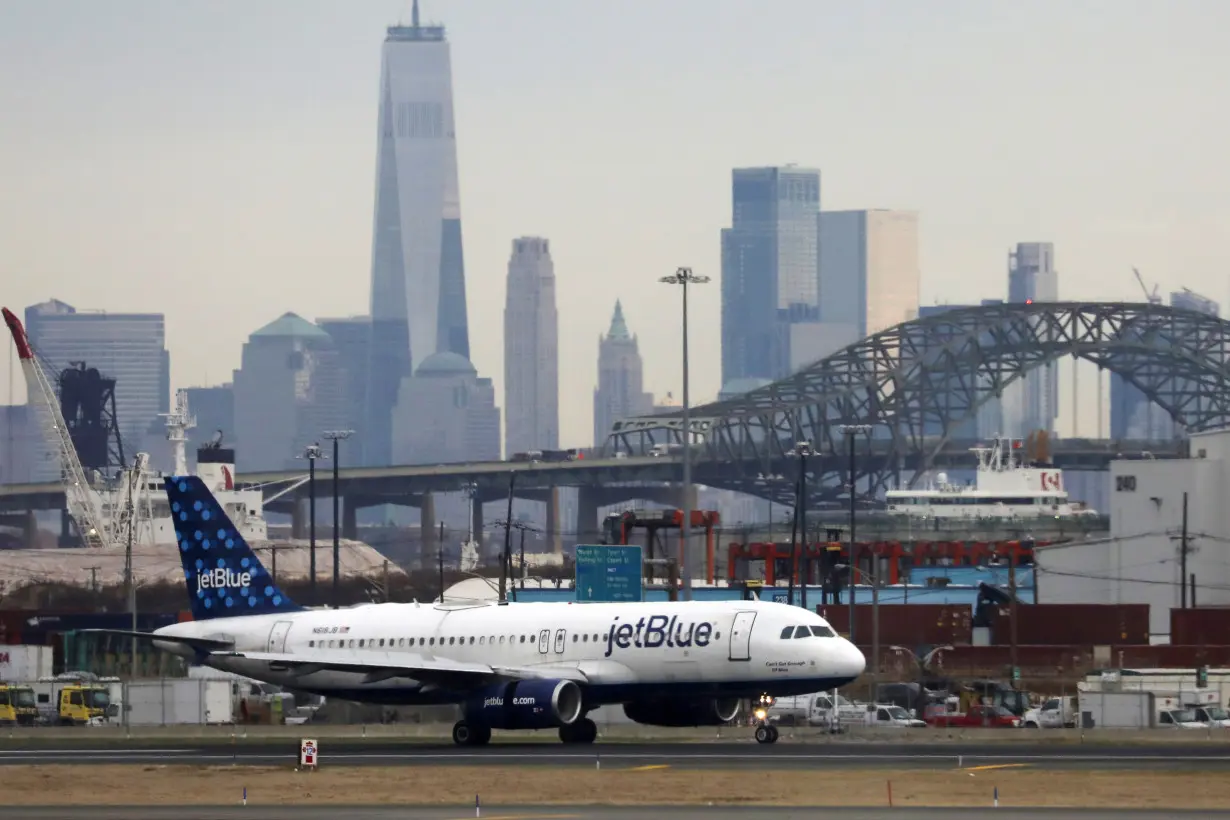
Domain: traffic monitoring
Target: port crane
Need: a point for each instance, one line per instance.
(82, 506)
(1154, 298)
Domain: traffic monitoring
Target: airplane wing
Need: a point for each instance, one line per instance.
(380, 666)
(202, 644)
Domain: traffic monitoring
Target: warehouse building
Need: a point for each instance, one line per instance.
(1146, 558)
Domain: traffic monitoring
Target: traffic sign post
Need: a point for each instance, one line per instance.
(608, 573)
(308, 752)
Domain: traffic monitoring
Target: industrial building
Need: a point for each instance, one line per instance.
(1147, 558)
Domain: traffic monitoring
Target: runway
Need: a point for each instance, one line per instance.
(1207, 756)
(570, 813)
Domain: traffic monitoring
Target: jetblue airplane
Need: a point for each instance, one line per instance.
(509, 666)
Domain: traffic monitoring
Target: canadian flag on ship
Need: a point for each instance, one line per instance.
(1050, 481)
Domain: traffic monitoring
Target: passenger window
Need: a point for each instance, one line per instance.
(501, 639)
(360, 643)
(452, 641)
(432, 642)
(482, 640)
(584, 637)
(522, 639)
(471, 640)
(788, 632)
(311, 643)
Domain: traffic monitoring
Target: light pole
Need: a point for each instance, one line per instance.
(801, 449)
(311, 454)
(849, 430)
(335, 436)
(872, 578)
(684, 277)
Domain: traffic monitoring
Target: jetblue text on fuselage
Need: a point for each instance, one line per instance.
(223, 578)
(498, 701)
(655, 631)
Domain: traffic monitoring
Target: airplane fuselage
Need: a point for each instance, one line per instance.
(624, 651)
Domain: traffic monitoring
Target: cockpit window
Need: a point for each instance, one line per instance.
(788, 632)
(802, 632)
(823, 632)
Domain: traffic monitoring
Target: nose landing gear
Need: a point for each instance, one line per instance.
(765, 731)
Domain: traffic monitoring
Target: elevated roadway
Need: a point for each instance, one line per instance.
(405, 485)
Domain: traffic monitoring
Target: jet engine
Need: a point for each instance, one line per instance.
(682, 712)
(525, 704)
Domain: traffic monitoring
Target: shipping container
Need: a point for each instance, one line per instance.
(909, 625)
(1205, 625)
(24, 663)
(1081, 624)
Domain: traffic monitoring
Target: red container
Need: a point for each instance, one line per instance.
(1080, 624)
(910, 625)
(1194, 627)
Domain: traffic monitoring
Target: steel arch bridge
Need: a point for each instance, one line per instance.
(916, 382)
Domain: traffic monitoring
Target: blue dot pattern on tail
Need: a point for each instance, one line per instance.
(223, 575)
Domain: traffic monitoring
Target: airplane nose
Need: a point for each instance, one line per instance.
(850, 661)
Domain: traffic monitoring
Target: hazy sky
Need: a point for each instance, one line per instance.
(215, 161)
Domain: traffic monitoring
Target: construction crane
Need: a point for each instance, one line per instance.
(1154, 298)
(82, 506)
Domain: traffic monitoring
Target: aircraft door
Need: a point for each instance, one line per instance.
(560, 635)
(277, 636)
(544, 641)
(741, 636)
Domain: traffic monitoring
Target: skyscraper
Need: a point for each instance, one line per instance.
(1032, 402)
(869, 269)
(619, 394)
(418, 298)
(289, 387)
(770, 268)
(1132, 415)
(127, 347)
(531, 350)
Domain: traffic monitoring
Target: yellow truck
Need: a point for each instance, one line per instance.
(17, 705)
(73, 702)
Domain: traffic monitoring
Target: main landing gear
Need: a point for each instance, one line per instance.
(467, 734)
(583, 731)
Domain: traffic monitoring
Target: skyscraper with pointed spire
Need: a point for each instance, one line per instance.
(418, 297)
(531, 351)
(618, 394)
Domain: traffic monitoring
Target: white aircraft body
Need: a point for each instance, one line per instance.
(509, 666)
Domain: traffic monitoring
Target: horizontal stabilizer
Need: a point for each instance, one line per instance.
(203, 644)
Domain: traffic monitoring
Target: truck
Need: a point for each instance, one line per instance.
(17, 705)
(891, 715)
(1053, 713)
(977, 715)
(817, 709)
(70, 701)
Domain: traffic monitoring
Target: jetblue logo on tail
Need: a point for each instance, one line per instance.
(656, 631)
(223, 578)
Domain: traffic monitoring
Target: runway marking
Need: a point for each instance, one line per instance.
(530, 817)
(100, 752)
(995, 766)
(648, 768)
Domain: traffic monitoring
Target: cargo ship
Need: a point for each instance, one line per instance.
(1004, 487)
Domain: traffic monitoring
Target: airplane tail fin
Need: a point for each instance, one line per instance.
(225, 579)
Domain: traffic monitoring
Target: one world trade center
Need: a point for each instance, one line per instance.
(418, 305)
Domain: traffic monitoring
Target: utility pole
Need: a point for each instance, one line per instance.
(849, 430)
(506, 558)
(386, 581)
(1183, 555)
(1012, 550)
(521, 573)
(335, 436)
(794, 546)
(440, 556)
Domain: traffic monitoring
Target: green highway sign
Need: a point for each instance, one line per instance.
(608, 573)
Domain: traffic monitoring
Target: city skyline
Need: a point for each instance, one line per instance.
(278, 225)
